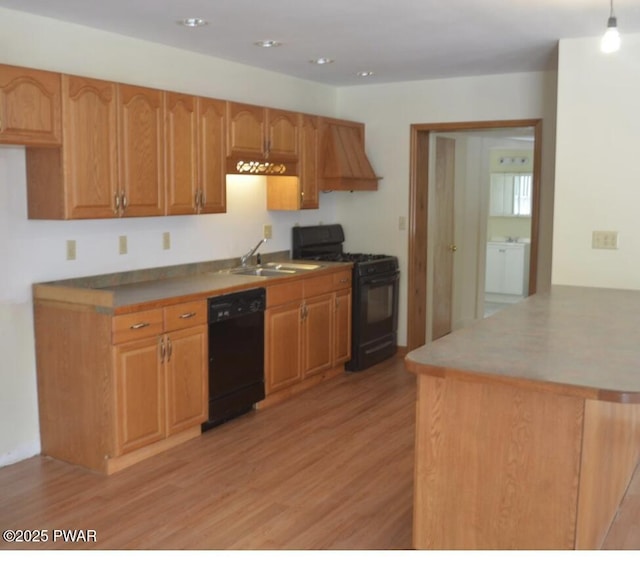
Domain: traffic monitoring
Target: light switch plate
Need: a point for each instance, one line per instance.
(402, 223)
(604, 239)
(71, 250)
(122, 245)
(166, 240)
(267, 231)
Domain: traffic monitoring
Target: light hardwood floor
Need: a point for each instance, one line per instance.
(329, 469)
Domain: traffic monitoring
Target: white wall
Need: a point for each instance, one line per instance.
(598, 163)
(34, 250)
(389, 110)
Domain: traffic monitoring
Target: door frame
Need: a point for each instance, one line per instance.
(418, 288)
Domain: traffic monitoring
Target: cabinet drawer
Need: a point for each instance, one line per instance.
(131, 327)
(284, 293)
(185, 315)
(342, 279)
(318, 285)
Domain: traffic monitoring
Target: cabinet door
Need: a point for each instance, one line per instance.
(245, 130)
(181, 153)
(283, 348)
(318, 334)
(90, 149)
(141, 140)
(29, 107)
(212, 178)
(514, 270)
(282, 135)
(494, 269)
(309, 145)
(140, 397)
(186, 361)
(342, 328)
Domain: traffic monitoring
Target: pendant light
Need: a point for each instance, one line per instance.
(610, 41)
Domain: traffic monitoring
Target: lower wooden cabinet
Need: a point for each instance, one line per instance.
(318, 327)
(160, 387)
(342, 324)
(186, 376)
(308, 331)
(140, 395)
(113, 390)
(283, 346)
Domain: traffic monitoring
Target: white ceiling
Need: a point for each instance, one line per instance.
(398, 40)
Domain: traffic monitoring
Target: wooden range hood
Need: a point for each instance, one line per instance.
(344, 165)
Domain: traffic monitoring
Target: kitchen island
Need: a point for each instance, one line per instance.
(528, 424)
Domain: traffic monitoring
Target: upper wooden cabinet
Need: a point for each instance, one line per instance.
(261, 133)
(211, 144)
(195, 154)
(141, 151)
(90, 160)
(112, 158)
(98, 149)
(80, 180)
(295, 193)
(282, 135)
(29, 106)
(309, 163)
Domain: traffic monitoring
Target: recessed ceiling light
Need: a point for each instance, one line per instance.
(365, 73)
(192, 22)
(267, 43)
(321, 60)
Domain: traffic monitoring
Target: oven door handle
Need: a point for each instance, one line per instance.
(379, 280)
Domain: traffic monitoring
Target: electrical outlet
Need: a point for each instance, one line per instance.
(122, 245)
(604, 239)
(267, 231)
(71, 250)
(402, 223)
(166, 240)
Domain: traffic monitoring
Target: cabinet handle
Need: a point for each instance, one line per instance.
(125, 202)
(162, 350)
(116, 210)
(139, 325)
(343, 281)
(453, 247)
(303, 312)
(187, 315)
(202, 199)
(169, 349)
(196, 200)
(301, 198)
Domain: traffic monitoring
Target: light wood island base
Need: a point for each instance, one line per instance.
(528, 424)
(500, 467)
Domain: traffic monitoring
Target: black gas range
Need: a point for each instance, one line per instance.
(374, 291)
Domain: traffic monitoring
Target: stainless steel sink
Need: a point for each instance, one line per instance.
(262, 272)
(296, 266)
(274, 269)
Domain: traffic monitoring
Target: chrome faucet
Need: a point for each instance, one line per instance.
(245, 257)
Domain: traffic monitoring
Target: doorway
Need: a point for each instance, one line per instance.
(422, 187)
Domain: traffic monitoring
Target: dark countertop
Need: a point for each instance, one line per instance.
(572, 340)
(125, 297)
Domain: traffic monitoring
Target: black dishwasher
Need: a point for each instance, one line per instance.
(236, 354)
